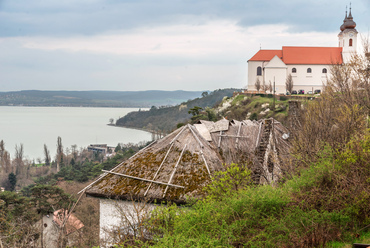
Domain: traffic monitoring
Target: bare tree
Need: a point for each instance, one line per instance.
(264, 86)
(18, 159)
(19, 151)
(341, 111)
(270, 87)
(257, 84)
(7, 162)
(359, 83)
(289, 83)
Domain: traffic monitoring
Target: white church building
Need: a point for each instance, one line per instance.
(309, 66)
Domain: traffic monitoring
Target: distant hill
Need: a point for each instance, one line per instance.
(166, 118)
(144, 99)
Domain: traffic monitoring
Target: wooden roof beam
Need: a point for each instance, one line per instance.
(143, 179)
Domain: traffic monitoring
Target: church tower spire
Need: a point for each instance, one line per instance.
(348, 36)
(350, 14)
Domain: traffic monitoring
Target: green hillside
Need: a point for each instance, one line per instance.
(166, 118)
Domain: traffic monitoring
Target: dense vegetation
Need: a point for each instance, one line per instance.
(83, 171)
(165, 119)
(144, 99)
(42, 189)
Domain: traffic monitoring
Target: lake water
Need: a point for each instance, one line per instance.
(36, 126)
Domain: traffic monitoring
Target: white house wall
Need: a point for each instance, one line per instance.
(50, 232)
(116, 214)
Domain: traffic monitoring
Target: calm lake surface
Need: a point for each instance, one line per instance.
(36, 126)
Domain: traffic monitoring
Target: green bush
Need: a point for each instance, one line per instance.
(225, 183)
(237, 99)
(254, 116)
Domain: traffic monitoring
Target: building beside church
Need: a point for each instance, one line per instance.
(309, 66)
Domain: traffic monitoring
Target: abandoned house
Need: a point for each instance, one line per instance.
(55, 223)
(177, 167)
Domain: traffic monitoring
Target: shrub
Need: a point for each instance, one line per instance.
(233, 179)
(254, 116)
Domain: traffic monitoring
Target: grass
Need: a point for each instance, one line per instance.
(39, 165)
(363, 239)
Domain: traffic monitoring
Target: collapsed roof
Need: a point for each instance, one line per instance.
(179, 165)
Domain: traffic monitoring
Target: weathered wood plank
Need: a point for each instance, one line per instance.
(143, 179)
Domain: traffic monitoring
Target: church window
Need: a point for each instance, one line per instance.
(350, 42)
(309, 70)
(324, 70)
(294, 70)
(259, 71)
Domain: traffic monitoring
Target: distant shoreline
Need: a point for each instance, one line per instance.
(103, 99)
(71, 106)
(136, 128)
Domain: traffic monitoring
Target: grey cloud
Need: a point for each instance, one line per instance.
(19, 18)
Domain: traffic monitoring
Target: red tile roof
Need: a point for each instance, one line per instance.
(312, 55)
(266, 55)
(303, 55)
(73, 223)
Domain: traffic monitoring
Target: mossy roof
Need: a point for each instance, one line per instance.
(195, 158)
(185, 158)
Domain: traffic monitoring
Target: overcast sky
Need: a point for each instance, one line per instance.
(156, 44)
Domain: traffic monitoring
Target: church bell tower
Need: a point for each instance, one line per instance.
(348, 37)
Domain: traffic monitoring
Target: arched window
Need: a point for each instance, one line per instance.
(259, 71)
(294, 70)
(350, 42)
(309, 70)
(324, 70)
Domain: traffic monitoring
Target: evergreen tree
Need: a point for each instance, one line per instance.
(12, 181)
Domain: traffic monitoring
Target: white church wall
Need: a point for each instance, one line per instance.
(279, 76)
(344, 41)
(252, 73)
(302, 80)
(276, 71)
